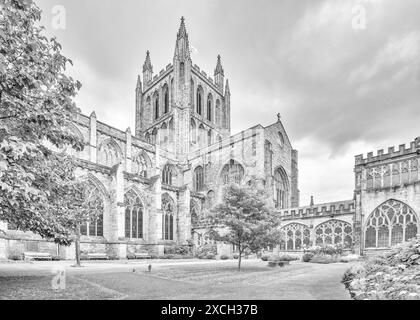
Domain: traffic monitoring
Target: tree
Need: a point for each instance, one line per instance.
(83, 206)
(37, 184)
(245, 220)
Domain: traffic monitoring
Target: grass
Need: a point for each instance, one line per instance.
(208, 280)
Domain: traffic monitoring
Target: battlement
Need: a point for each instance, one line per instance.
(158, 77)
(203, 75)
(403, 150)
(325, 209)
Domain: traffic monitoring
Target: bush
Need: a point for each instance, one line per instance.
(392, 276)
(113, 257)
(177, 250)
(205, 250)
(265, 257)
(331, 250)
(56, 258)
(307, 257)
(210, 256)
(287, 257)
(323, 259)
(15, 257)
(224, 257)
(236, 256)
(15, 254)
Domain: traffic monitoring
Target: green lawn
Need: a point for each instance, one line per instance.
(184, 280)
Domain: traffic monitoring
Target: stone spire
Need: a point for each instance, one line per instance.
(182, 48)
(219, 68)
(147, 66)
(147, 69)
(312, 201)
(219, 74)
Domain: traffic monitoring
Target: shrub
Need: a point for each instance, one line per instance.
(307, 257)
(287, 257)
(131, 256)
(265, 257)
(205, 250)
(224, 257)
(323, 259)
(15, 254)
(113, 257)
(15, 257)
(177, 250)
(56, 258)
(326, 250)
(210, 256)
(392, 276)
(236, 256)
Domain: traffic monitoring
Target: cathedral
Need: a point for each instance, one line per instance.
(158, 183)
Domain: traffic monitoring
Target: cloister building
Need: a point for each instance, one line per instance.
(157, 184)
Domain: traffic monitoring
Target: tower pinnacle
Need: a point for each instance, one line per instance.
(182, 48)
(219, 68)
(147, 66)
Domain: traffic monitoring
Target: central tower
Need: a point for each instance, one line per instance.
(182, 109)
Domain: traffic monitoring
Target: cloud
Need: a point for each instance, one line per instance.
(340, 91)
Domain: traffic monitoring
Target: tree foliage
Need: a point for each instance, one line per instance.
(245, 220)
(37, 184)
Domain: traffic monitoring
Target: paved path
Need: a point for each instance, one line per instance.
(215, 280)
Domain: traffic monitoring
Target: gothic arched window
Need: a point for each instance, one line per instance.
(156, 106)
(210, 108)
(209, 138)
(232, 173)
(281, 189)
(391, 223)
(168, 174)
(295, 236)
(133, 216)
(139, 166)
(198, 178)
(334, 232)
(109, 154)
(192, 90)
(218, 113)
(166, 98)
(95, 226)
(168, 208)
(200, 94)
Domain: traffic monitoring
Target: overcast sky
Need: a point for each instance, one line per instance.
(341, 89)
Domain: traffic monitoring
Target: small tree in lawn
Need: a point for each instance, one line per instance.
(83, 207)
(245, 220)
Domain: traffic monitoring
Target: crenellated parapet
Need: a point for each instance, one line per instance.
(321, 210)
(206, 79)
(403, 150)
(388, 170)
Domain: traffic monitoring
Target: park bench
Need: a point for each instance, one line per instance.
(142, 255)
(97, 256)
(37, 256)
(278, 263)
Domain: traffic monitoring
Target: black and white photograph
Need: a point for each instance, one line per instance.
(228, 151)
